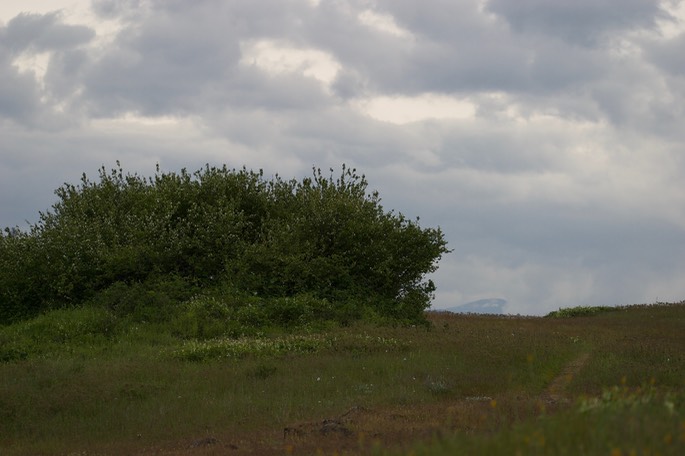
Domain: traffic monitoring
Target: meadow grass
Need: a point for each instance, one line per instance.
(79, 381)
(647, 424)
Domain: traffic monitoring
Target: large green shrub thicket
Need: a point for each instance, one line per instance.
(144, 245)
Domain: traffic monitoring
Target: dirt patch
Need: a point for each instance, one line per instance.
(556, 390)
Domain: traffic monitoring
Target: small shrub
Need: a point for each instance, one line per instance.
(70, 326)
(298, 310)
(10, 353)
(56, 330)
(235, 314)
(205, 317)
(581, 311)
(153, 300)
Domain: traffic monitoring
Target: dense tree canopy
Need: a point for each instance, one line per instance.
(133, 242)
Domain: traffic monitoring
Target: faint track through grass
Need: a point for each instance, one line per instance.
(556, 390)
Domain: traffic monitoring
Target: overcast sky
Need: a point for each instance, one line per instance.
(545, 137)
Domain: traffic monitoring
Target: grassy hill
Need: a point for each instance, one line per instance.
(604, 382)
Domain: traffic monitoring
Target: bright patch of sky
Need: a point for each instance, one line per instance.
(275, 58)
(402, 109)
(673, 26)
(383, 22)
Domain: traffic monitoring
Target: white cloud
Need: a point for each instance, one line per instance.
(8, 10)
(35, 64)
(672, 26)
(277, 58)
(406, 109)
(383, 22)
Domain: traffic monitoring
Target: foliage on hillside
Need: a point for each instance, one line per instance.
(588, 311)
(320, 248)
(580, 311)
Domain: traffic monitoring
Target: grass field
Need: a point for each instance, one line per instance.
(609, 382)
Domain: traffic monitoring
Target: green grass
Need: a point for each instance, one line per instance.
(641, 423)
(81, 380)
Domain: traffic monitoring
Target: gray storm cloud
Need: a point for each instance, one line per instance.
(555, 170)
